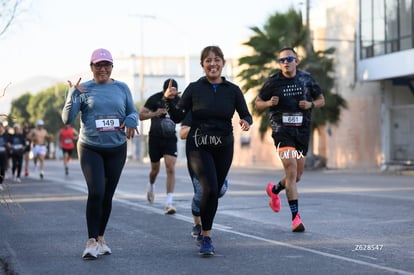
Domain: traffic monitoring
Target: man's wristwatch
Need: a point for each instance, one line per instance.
(313, 105)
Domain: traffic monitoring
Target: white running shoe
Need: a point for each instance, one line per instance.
(92, 250)
(169, 209)
(150, 193)
(103, 247)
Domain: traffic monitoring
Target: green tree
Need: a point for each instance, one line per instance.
(321, 66)
(47, 105)
(281, 30)
(18, 112)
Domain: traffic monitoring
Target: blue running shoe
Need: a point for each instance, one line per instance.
(207, 248)
(196, 230)
(224, 188)
(199, 240)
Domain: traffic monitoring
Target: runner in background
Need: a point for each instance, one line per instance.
(39, 136)
(67, 137)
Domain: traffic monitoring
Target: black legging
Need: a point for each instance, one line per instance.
(102, 169)
(211, 166)
(3, 164)
(17, 161)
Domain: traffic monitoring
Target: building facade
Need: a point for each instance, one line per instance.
(385, 55)
(375, 74)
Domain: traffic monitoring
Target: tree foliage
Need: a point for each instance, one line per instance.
(46, 105)
(321, 66)
(18, 112)
(287, 30)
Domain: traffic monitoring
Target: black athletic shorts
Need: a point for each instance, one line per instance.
(160, 146)
(69, 151)
(295, 139)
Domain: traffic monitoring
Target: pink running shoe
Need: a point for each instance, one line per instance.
(297, 224)
(275, 202)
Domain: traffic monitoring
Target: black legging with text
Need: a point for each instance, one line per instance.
(211, 165)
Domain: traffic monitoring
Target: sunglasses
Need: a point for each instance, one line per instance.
(288, 59)
(100, 65)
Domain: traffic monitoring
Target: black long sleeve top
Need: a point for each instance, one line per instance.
(212, 106)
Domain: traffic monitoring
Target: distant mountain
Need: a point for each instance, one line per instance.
(32, 85)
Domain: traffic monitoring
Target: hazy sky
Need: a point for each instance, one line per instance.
(56, 37)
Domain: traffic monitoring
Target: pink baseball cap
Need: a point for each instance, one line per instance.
(99, 55)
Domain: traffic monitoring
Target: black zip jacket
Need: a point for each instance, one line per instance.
(212, 106)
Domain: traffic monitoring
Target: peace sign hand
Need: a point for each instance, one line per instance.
(77, 86)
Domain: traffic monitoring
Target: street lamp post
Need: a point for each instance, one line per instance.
(142, 18)
(141, 73)
(308, 38)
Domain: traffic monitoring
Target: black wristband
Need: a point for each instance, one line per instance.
(313, 105)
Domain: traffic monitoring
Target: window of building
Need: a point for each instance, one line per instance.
(407, 24)
(391, 30)
(386, 26)
(366, 29)
(378, 24)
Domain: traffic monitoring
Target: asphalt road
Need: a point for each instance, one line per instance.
(356, 223)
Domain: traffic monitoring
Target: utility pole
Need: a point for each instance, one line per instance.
(141, 73)
(142, 18)
(308, 38)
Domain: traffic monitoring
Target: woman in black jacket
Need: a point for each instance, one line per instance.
(212, 101)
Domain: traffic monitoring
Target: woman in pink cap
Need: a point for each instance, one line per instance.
(108, 118)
